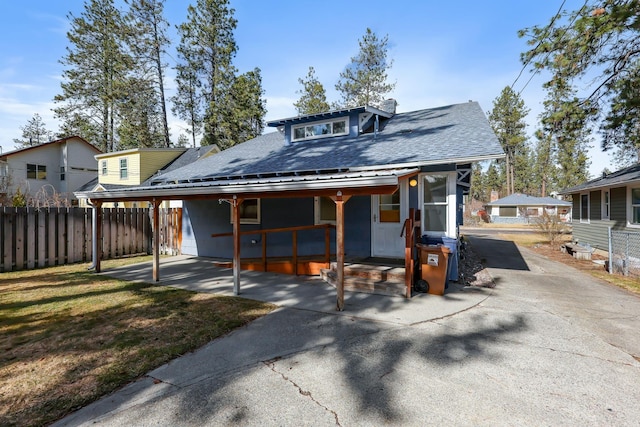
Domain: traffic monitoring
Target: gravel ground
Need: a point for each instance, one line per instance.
(472, 271)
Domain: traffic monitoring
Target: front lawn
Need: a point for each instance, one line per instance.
(69, 336)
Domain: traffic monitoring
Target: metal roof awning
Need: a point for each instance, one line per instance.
(348, 182)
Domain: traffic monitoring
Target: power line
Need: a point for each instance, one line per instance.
(566, 29)
(547, 31)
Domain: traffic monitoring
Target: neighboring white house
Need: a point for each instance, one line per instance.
(521, 208)
(56, 168)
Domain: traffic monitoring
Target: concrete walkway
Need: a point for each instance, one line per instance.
(303, 292)
(548, 346)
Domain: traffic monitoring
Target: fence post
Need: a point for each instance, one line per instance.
(626, 257)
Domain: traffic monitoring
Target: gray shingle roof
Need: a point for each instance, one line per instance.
(432, 136)
(526, 200)
(614, 179)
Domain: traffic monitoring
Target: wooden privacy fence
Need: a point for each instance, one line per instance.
(32, 237)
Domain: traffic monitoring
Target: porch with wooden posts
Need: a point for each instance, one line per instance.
(385, 185)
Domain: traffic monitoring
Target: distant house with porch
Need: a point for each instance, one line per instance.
(523, 209)
(356, 173)
(609, 201)
(54, 169)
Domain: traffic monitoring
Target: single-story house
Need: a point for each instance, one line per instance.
(52, 169)
(609, 201)
(524, 209)
(360, 173)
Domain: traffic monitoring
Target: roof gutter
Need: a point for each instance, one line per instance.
(429, 163)
(248, 187)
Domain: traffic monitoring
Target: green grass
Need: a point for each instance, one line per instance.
(69, 336)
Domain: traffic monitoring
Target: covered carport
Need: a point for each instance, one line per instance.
(339, 185)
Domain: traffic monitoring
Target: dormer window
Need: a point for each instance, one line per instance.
(315, 130)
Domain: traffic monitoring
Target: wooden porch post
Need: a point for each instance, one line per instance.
(235, 203)
(156, 239)
(97, 235)
(340, 200)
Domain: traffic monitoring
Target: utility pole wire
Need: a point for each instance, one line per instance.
(555, 17)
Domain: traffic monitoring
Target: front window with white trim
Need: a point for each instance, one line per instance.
(635, 206)
(584, 207)
(315, 130)
(434, 203)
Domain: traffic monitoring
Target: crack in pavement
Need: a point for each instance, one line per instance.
(271, 365)
(158, 381)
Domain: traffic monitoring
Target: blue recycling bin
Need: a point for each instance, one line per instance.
(452, 245)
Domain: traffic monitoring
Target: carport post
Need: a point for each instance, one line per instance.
(156, 240)
(340, 200)
(235, 203)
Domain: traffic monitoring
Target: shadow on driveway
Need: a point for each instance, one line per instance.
(498, 253)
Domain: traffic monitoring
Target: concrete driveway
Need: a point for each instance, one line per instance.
(548, 346)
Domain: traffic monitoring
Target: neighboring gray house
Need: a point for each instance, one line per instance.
(62, 166)
(524, 209)
(612, 200)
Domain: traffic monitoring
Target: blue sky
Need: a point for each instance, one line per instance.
(443, 52)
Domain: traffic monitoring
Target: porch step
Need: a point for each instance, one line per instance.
(373, 279)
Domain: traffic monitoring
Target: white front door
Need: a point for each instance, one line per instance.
(388, 214)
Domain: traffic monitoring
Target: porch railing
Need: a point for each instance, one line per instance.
(294, 241)
(408, 230)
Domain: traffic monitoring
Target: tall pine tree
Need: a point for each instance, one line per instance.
(243, 119)
(564, 123)
(596, 47)
(313, 97)
(95, 78)
(148, 43)
(33, 133)
(206, 51)
(364, 80)
(508, 122)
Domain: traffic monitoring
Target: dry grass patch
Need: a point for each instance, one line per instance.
(527, 239)
(69, 336)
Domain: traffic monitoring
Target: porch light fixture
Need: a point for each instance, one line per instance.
(413, 182)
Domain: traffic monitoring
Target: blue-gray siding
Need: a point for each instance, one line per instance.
(202, 218)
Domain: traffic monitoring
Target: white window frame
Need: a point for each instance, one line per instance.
(323, 122)
(124, 169)
(450, 226)
(104, 167)
(606, 204)
(245, 220)
(63, 173)
(630, 207)
(587, 219)
(317, 211)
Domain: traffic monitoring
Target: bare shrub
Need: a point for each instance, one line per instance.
(551, 226)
